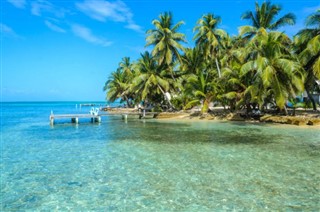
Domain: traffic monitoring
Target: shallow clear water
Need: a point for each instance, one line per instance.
(153, 165)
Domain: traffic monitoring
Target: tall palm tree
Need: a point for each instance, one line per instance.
(166, 39)
(151, 79)
(208, 37)
(307, 43)
(276, 70)
(264, 16)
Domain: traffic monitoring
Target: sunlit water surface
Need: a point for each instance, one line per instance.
(153, 165)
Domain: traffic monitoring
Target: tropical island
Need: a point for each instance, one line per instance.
(181, 161)
(259, 71)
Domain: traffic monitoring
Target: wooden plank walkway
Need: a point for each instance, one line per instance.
(97, 118)
(74, 117)
(128, 113)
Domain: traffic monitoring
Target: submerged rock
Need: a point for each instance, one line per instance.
(295, 120)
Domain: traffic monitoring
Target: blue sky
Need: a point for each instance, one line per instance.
(64, 50)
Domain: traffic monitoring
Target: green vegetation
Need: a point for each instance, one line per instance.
(259, 68)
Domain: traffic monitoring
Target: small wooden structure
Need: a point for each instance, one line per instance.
(74, 117)
(142, 115)
(96, 117)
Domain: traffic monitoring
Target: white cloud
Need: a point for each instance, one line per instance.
(103, 10)
(18, 3)
(38, 6)
(7, 31)
(42, 6)
(54, 27)
(134, 27)
(86, 34)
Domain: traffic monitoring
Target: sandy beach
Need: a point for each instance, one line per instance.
(302, 117)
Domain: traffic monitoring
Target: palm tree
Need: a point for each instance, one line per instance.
(264, 16)
(233, 82)
(203, 90)
(192, 61)
(126, 66)
(307, 43)
(208, 37)
(166, 40)
(117, 86)
(151, 79)
(276, 71)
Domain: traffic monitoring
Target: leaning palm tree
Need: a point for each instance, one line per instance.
(151, 79)
(307, 44)
(208, 37)
(117, 86)
(276, 71)
(166, 40)
(264, 16)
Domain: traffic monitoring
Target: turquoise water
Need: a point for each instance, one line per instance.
(153, 165)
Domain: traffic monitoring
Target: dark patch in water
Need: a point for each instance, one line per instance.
(74, 184)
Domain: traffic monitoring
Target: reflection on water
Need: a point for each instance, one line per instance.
(156, 165)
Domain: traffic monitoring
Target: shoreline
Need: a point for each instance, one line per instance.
(302, 117)
(307, 120)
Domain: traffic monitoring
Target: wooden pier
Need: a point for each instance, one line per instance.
(141, 115)
(96, 118)
(75, 117)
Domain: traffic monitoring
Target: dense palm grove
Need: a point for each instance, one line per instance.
(259, 68)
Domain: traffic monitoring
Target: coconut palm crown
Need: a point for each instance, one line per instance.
(166, 39)
(276, 71)
(264, 16)
(208, 37)
(151, 79)
(307, 45)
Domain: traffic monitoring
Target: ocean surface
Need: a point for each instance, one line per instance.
(151, 165)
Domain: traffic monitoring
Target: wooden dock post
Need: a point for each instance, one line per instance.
(75, 120)
(97, 119)
(51, 117)
(125, 116)
(142, 114)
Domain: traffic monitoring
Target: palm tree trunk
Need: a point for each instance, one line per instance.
(219, 71)
(314, 105)
(285, 110)
(165, 96)
(174, 79)
(248, 108)
(205, 106)
(127, 100)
